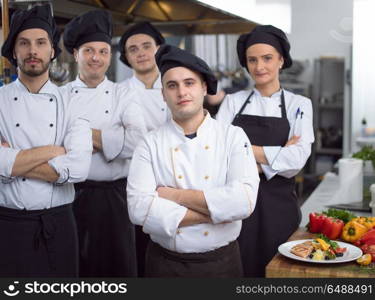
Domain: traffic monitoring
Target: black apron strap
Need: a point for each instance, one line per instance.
(283, 108)
(247, 101)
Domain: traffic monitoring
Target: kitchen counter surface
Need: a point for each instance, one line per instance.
(282, 267)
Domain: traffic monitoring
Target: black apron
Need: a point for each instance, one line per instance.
(106, 235)
(224, 262)
(38, 243)
(277, 214)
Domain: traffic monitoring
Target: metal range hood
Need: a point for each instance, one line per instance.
(171, 17)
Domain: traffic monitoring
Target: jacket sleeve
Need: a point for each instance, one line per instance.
(75, 164)
(235, 200)
(7, 159)
(288, 161)
(157, 215)
(226, 111)
(120, 140)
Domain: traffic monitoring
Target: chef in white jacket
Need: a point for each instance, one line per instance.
(106, 235)
(187, 185)
(280, 128)
(138, 46)
(43, 151)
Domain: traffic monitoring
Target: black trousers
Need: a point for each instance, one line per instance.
(38, 243)
(141, 241)
(224, 262)
(106, 235)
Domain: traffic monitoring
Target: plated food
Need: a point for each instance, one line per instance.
(315, 251)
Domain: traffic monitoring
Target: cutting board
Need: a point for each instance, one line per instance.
(282, 267)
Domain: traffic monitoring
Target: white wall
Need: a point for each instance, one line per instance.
(323, 28)
(363, 66)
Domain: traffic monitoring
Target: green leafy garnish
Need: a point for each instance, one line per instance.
(343, 215)
(366, 153)
(333, 244)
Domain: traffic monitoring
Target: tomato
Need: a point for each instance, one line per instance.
(369, 249)
(340, 250)
(365, 260)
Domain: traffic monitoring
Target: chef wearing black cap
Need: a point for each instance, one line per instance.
(279, 125)
(43, 150)
(187, 186)
(106, 235)
(138, 46)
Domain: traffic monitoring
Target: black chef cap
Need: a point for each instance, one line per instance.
(93, 26)
(36, 17)
(264, 34)
(141, 27)
(168, 57)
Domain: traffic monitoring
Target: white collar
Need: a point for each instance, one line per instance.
(47, 88)
(202, 129)
(274, 95)
(140, 84)
(78, 83)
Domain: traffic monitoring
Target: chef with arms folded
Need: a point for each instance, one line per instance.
(187, 185)
(106, 235)
(43, 151)
(280, 128)
(138, 46)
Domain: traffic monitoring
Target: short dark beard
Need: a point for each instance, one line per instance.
(32, 72)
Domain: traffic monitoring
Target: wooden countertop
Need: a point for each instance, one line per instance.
(282, 267)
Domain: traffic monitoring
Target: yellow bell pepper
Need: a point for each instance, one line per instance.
(323, 244)
(368, 222)
(353, 231)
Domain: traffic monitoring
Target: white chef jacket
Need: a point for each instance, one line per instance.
(114, 110)
(154, 108)
(212, 162)
(30, 120)
(284, 161)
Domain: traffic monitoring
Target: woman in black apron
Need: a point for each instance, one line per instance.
(264, 52)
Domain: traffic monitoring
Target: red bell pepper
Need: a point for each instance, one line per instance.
(332, 228)
(316, 222)
(368, 238)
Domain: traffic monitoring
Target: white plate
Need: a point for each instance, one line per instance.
(351, 253)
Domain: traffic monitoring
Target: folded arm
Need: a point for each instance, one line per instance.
(120, 140)
(146, 207)
(237, 198)
(288, 160)
(74, 166)
(27, 160)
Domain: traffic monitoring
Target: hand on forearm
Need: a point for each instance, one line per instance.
(192, 199)
(43, 172)
(193, 217)
(259, 155)
(97, 140)
(26, 160)
(293, 140)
